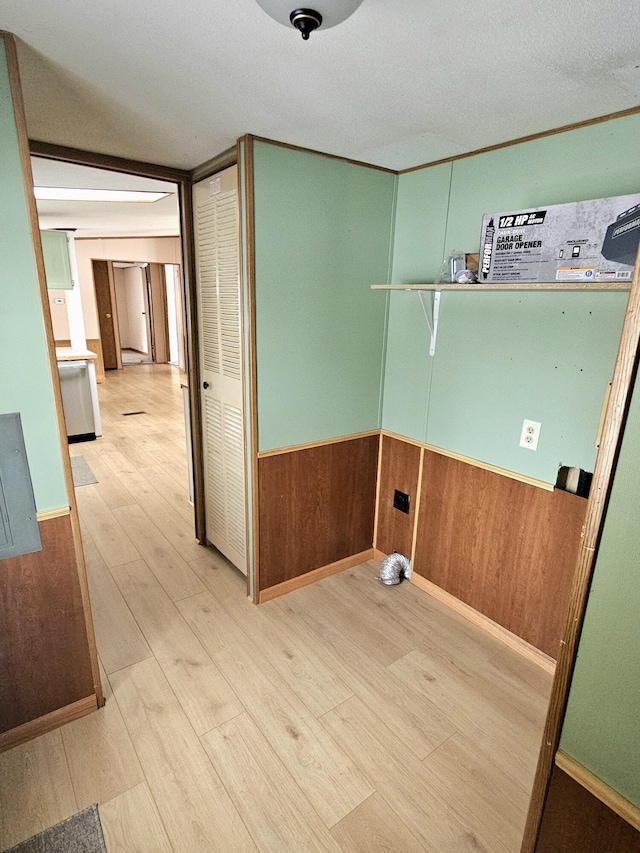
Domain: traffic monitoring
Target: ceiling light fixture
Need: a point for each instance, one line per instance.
(70, 194)
(325, 13)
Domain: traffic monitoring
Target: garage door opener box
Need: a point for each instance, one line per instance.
(590, 241)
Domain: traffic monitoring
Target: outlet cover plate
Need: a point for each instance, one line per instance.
(530, 434)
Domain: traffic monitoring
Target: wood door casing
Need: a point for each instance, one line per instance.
(105, 309)
(159, 317)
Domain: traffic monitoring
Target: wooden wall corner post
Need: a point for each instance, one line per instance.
(377, 505)
(23, 143)
(624, 375)
(252, 414)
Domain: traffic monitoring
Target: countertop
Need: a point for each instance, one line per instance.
(70, 354)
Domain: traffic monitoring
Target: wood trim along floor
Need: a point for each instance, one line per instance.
(603, 792)
(511, 640)
(486, 466)
(47, 723)
(316, 575)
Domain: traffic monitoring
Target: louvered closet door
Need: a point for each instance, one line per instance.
(216, 233)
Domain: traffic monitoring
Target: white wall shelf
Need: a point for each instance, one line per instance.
(432, 309)
(518, 285)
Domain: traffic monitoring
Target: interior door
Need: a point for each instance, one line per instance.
(219, 316)
(104, 304)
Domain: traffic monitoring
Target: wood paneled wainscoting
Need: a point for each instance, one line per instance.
(576, 818)
(503, 546)
(316, 509)
(45, 668)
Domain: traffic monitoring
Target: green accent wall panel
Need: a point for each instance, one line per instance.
(420, 226)
(322, 236)
(25, 386)
(419, 236)
(501, 358)
(591, 162)
(408, 367)
(602, 724)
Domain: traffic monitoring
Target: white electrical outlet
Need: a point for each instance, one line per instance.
(530, 434)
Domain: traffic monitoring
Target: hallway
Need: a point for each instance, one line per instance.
(346, 716)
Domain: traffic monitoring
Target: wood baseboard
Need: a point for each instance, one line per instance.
(511, 640)
(379, 555)
(316, 575)
(42, 725)
(603, 792)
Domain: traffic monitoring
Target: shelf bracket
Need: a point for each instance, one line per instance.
(431, 308)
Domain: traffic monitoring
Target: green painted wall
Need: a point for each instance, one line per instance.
(501, 358)
(323, 230)
(602, 724)
(25, 384)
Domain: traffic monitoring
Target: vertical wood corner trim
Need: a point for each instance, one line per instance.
(249, 252)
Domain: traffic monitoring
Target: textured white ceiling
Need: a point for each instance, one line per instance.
(104, 219)
(398, 84)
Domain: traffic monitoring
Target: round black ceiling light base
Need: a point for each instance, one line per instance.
(306, 21)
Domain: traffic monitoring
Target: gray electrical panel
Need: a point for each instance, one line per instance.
(19, 530)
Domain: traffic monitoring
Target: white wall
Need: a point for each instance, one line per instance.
(161, 250)
(59, 315)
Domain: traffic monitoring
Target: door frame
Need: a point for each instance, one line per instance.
(108, 331)
(183, 181)
(241, 155)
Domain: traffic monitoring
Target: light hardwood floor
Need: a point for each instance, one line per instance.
(347, 716)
